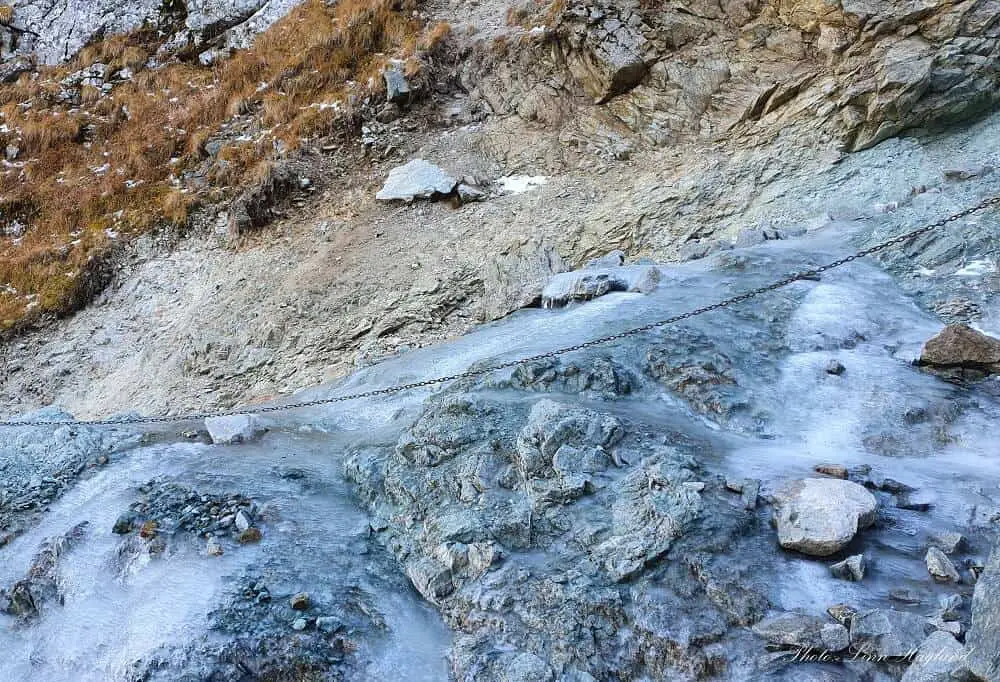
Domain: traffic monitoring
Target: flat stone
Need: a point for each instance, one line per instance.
(417, 179)
(820, 516)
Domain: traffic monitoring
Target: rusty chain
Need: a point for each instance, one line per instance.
(481, 371)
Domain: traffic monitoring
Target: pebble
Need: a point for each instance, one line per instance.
(300, 624)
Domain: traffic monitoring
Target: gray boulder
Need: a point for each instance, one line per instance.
(417, 179)
(940, 659)
(236, 428)
(820, 516)
(888, 634)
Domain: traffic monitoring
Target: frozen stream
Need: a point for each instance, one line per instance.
(781, 415)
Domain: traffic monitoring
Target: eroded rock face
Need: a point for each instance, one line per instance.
(820, 516)
(629, 532)
(983, 639)
(54, 30)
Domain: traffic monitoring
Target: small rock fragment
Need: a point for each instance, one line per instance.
(213, 547)
(834, 470)
(940, 566)
(852, 568)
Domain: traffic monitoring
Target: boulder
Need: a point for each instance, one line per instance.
(937, 659)
(820, 516)
(960, 348)
(417, 179)
(888, 634)
(234, 428)
(983, 638)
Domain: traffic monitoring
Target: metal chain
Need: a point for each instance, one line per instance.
(472, 373)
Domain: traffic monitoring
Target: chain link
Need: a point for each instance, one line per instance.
(489, 369)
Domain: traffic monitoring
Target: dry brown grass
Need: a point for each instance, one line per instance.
(105, 166)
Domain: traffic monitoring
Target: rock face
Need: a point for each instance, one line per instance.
(959, 348)
(54, 31)
(983, 638)
(819, 516)
(417, 179)
(622, 522)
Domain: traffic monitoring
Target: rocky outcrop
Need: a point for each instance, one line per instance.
(983, 639)
(494, 483)
(54, 31)
(820, 516)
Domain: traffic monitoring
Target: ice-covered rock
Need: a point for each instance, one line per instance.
(589, 283)
(417, 179)
(234, 428)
